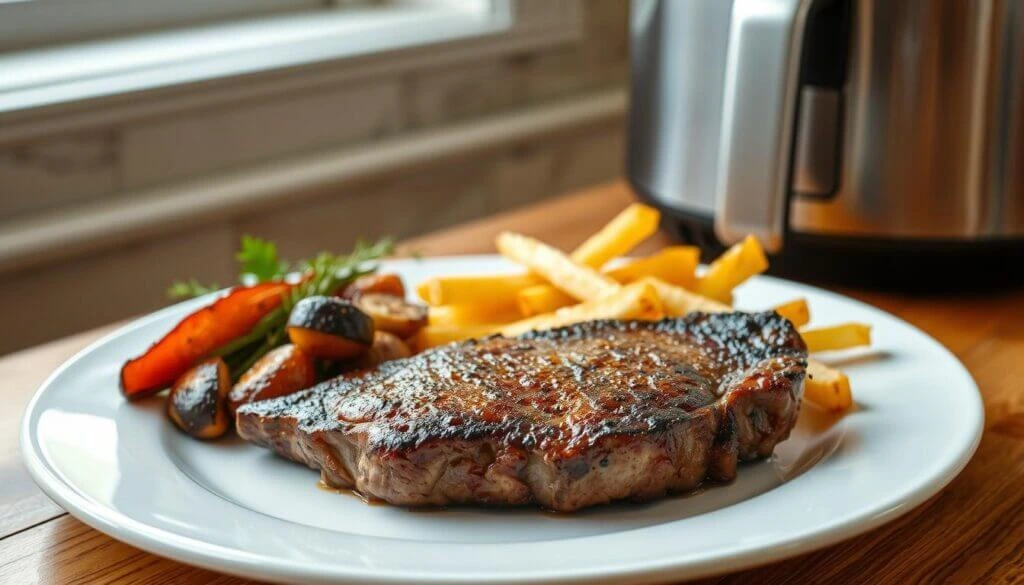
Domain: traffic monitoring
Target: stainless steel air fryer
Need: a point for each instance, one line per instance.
(872, 141)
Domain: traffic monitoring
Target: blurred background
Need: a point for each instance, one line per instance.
(139, 139)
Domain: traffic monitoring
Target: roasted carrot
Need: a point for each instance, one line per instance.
(198, 336)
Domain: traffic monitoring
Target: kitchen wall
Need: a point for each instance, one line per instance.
(72, 291)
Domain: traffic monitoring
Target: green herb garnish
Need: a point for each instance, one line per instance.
(259, 262)
(190, 289)
(326, 272)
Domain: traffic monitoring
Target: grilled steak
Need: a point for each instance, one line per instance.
(566, 418)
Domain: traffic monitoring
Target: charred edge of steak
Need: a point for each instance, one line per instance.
(761, 361)
(735, 337)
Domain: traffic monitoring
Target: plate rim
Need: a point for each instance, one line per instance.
(241, 563)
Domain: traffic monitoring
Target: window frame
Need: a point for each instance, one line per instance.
(124, 91)
(71, 73)
(36, 23)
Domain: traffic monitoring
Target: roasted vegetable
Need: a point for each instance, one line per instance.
(249, 321)
(198, 336)
(387, 347)
(393, 314)
(197, 402)
(325, 274)
(282, 371)
(387, 284)
(330, 328)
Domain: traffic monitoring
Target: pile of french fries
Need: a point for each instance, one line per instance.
(560, 289)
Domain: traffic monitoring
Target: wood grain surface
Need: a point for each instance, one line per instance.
(972, 532)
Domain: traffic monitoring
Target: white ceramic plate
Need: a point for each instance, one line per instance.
(123, 469)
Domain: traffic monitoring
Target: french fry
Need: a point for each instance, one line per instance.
(635, 301)
(424, 290)
(541, 299)
(675, 265)
(729, 270)
(827, 387)
(842, 336)
(796, 311)
(473, 314)
(434, 335)
(460, 290)
(579, 281)
(633, 225)
(678, 301)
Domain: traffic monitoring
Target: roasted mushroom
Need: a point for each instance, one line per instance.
(387, 283)
(386, 347)
(330, 328)
(393, 314)
(282, 371)
(197, 402)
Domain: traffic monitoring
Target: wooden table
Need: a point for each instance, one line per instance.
(972, 532)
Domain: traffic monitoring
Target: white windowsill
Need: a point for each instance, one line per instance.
(85, 71)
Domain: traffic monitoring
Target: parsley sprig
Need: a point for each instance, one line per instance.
(324, 274)
(258, 261)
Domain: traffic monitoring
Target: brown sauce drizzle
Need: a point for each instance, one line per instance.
(349, 492)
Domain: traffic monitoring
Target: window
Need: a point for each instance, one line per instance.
(25, 23)
(33, 23)
(96, 48)
(163, 125)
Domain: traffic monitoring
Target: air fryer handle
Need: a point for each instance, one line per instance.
(759, 106)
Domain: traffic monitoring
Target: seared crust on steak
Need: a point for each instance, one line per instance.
(565, 418)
